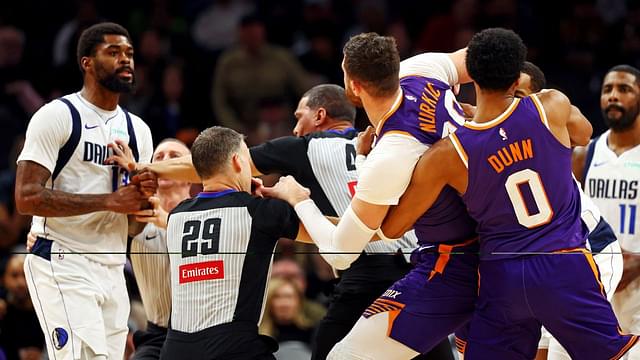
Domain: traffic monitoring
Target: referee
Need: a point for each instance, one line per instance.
(322, 158)
(221, 247)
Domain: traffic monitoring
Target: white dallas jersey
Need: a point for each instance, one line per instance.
(220, 250)
(148, 254)
(612, 183)
(101, 236)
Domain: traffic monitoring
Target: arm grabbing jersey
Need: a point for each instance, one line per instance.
(385, 176)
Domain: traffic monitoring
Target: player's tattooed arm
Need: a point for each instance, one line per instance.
(33, 198)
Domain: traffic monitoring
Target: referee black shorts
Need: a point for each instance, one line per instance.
(231, 341)
(148, 343)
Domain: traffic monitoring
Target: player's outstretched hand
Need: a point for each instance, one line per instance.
(127, 200)
(122, 155)
(287, 189)
(365, 141)
(156, 215)
(147, 182)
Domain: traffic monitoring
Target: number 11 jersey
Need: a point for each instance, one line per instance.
(520, 186)
(221, 247)
(612, 182)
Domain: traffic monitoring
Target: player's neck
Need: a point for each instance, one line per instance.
(621, 141)
(378, 108)
(99, 96)
(221, 183)
(338, 125)
(490, 105)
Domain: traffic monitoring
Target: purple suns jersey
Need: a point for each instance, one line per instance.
(520, 188)
(428, 112)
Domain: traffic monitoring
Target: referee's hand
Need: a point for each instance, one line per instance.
(287, 189)
(156, 215)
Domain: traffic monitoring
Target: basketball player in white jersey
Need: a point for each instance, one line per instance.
(609, 168)
(148, 255)
(75, 269)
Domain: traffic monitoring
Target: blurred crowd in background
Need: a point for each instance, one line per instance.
(244, 64)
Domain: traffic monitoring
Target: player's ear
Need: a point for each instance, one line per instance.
(356, 87)
(321, 116)
(514, 86)
(85, 63)
(236, 163)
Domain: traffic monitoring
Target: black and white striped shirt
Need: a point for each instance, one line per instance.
(221, 247)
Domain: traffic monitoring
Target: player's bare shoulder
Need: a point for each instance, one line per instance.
(556, 104)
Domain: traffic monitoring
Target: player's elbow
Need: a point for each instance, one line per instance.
(340, 261)
(28, 199)
(24, 206)
(390, 233)
(393, 227)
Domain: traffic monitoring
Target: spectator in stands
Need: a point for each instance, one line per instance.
(285, 320)
(18, 97)
(252, 72)
(13, 226)
(21, 337)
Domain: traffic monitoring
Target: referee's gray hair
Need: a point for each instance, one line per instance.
(333, 99)
(213, 148)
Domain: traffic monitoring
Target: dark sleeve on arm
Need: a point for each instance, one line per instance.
(275, 218)
(285, 155)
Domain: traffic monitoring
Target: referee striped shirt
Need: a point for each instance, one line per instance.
(221, 247)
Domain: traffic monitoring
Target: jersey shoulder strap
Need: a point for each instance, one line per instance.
(133, 143)
(591, 148)
(66, 151)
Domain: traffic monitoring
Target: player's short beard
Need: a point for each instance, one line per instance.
(625, 121)
(113, 82)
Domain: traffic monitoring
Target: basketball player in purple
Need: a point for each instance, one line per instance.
(512, 165)
(411, 106)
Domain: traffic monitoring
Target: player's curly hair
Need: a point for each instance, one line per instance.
(495, 58)
(94, 35)
(374, 61)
